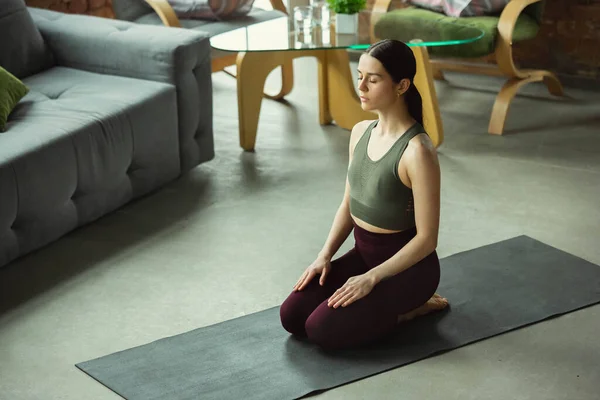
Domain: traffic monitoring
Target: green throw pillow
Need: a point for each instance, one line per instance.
(11, 91)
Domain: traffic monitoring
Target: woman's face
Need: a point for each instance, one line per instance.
(376, 89)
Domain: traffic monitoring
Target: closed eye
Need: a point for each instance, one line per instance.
(371, 81)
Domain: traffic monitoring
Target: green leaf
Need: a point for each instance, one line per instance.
(346, 6)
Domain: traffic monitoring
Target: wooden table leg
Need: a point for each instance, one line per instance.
(432, 120)
(253, 68)
(324, 111)
(287, 81)
(344, 103)
(252, 71)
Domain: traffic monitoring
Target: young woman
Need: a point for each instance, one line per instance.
(392, 202)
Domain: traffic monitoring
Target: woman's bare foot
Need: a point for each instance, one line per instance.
(435, 303)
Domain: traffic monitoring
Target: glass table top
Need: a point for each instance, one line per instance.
(280, 35)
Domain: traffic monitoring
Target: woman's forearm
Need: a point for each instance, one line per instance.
(340, 229)
(413, 252)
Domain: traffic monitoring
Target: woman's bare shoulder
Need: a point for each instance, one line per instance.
(359, 130)
(421, 149)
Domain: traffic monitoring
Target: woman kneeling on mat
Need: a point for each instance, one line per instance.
(392, 202)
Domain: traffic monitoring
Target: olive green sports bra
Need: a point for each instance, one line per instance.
(377, 195)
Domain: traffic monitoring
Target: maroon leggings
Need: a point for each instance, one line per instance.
(306, 313)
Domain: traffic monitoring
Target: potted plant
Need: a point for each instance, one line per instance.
(346, 14)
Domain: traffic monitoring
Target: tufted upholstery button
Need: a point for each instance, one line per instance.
(15, 225)
(53, 96)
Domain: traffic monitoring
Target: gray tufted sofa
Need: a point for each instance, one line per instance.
(115, 111)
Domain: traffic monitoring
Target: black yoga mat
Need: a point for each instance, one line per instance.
(492, 289)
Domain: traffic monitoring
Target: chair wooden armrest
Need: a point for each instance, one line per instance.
(165, 12)
(506, 27)
(509, 16)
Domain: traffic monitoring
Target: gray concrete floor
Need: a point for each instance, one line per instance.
(231, 237)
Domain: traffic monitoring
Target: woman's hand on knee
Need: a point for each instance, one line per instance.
(354, 289)
(321, 266)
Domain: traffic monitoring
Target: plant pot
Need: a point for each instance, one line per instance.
(346, 23)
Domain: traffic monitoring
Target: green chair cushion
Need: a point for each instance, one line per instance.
(416, 23)
(12, 91)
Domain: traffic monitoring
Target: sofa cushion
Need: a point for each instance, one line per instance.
(416, 23)
(11, 91)
(22, 48)
(80, 145)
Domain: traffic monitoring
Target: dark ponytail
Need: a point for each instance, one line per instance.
(414, 103)
(399, 61)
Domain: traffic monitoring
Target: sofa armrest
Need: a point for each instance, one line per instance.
(180, 57)
(122, 48)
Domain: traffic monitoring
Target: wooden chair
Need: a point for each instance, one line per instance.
(519, 20)
(161, 12)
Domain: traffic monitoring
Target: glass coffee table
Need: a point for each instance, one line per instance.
(264, 46)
